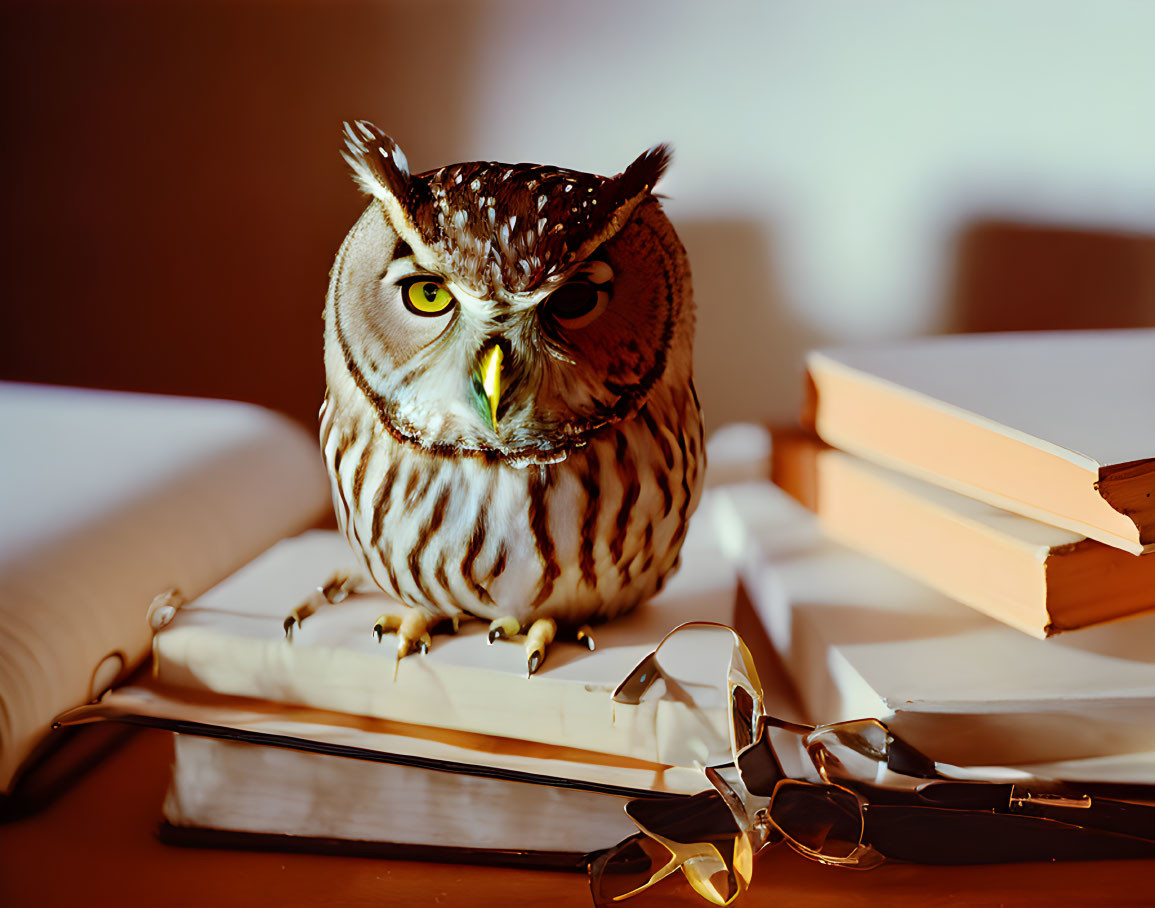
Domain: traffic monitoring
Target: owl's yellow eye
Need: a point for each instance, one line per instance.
(427, 297)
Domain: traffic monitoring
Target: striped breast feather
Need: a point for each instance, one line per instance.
(586, 538)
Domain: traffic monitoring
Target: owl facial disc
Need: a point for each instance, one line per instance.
(511, 310)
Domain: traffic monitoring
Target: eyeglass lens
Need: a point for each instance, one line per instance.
(822, 819)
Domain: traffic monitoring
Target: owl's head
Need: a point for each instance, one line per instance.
(506, 309)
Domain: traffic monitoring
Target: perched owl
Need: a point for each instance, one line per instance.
(511, 425)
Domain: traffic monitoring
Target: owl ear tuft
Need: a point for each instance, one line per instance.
(378, 163)
(643, 174)
(623, 193)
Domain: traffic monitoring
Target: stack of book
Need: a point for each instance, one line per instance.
(326, 741)
(966, 498)
(167, 534)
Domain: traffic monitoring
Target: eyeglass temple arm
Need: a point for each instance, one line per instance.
(907, 760)
(1062, 803)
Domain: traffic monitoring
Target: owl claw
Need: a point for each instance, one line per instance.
(336, 589)
(504, 628)
(539, 636)
(297, 616)
(340, 585)
(585, 637)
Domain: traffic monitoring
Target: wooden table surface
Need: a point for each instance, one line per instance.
(95, 846)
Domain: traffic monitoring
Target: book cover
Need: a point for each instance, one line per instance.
(1057, 426)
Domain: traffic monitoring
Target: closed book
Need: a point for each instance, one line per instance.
(1033, 576)
(1058, 426)
(232, 641)
(860, 638)
(255, 774)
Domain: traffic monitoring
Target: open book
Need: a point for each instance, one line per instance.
(110, 499)
(1038, 578)
(1057, 426)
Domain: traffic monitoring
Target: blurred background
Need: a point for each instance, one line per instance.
(844, 170)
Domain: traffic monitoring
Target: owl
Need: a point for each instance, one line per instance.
(510, 424)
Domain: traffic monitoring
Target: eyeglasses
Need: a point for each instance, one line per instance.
(914, 811)
(713, 836)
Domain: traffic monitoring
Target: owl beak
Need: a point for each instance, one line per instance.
(490, 374)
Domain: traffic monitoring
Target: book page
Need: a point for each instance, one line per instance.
(382, 740)
(231, 785)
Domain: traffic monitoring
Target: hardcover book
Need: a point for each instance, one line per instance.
(256, 774)
(232, 641)
(1035, 577)
(862, 639)
(1057, 426)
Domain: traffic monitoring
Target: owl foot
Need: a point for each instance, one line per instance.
(412, 634)
(412, 631)
(336, 589)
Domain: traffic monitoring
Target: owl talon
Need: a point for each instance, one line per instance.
(297, 616)
(504, 628)
(412, 631)
(539, 636)
(585, 637)
(336, 589)
(386, 624)
(340, 585)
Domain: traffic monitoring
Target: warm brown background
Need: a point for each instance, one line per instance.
(174, 193)
(174, 198)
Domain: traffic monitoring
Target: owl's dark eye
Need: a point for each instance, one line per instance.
(576, 304)
(424, 296)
